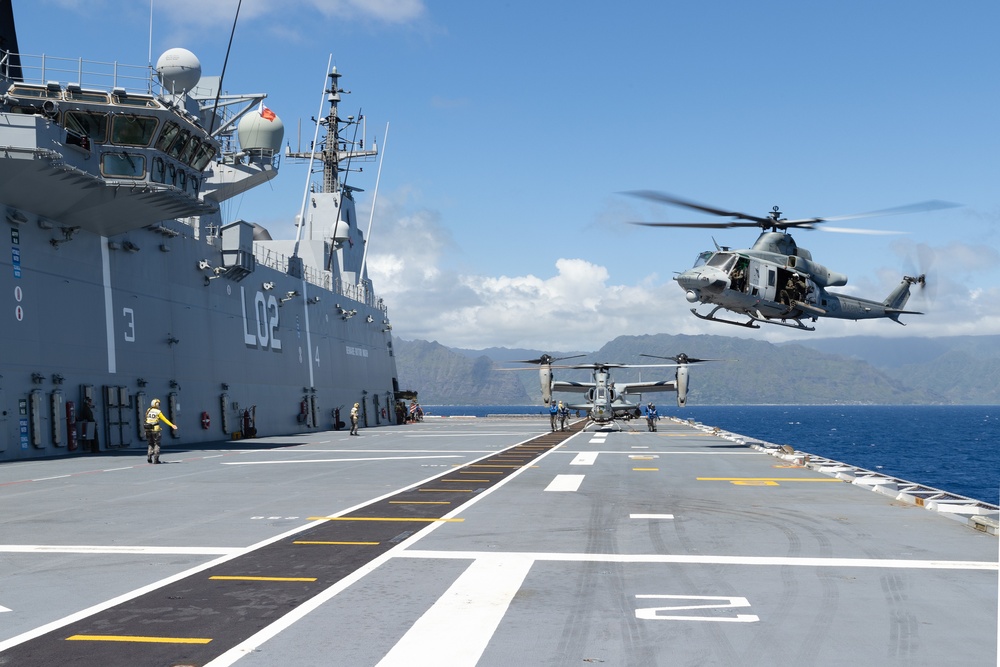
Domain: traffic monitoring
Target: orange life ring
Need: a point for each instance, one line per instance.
(206, 421)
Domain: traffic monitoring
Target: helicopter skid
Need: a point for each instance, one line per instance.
(712, 318)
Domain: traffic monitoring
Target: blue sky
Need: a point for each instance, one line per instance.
(515, 126)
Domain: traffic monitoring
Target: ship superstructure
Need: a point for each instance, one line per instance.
(124, 282)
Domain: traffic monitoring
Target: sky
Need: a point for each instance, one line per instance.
(514, 128)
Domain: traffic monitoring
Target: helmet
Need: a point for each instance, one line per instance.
(155, 403)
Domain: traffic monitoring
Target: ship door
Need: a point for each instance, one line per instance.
(375, 401)
(6, 435)
(117, 404)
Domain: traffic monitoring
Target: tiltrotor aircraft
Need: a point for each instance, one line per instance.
(606, 402)
(776, 281)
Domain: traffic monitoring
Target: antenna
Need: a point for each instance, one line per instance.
(378, 176)
(312, 158)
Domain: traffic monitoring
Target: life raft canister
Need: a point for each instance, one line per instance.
(206, 421)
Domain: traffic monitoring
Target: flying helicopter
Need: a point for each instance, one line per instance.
(607, 403)
(776, 281)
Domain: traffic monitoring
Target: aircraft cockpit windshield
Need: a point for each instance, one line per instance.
(723, 260)
(703, 259)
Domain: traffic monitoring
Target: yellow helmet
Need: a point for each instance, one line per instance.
(155, 403)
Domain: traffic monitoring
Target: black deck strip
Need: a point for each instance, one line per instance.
(196, 619)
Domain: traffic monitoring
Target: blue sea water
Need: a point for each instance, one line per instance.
(949, 447)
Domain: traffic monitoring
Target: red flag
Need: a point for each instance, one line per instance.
(265, 113)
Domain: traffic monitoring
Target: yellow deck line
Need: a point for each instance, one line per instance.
(234, 578)
(130, 638)
(479, 472)
(420, 502)
(645, 469)
(374, 518)
(445, 490)
(485, 465)
(313, 542)
(463, 481)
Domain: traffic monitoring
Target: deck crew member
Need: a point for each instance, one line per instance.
(563, 416)
(153, 419)
(354, 418)
(553, 411)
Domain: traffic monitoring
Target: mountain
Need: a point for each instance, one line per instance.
(851, 370)
(445, 377)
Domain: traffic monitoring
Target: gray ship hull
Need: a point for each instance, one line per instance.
(130, 325)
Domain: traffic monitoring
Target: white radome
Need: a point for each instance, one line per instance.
(178, 70)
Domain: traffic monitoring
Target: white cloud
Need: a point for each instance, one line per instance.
(577, 304)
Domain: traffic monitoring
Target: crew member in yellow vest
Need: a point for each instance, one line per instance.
(153, 419)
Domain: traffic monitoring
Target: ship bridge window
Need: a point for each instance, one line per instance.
(130, 130)
(176, 147)
(87, 96)
(123, 165)
(34, 91)
(167, 136)
(136, 101)
(88, 124)
(190, 150)
(203, 156)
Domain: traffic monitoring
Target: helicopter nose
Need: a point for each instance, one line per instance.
(706, 278)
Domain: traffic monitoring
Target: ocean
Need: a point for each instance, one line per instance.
(949, 447)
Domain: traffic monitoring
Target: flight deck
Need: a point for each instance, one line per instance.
(462, 542)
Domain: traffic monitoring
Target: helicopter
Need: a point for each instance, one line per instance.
(606, 403)
(776, 281)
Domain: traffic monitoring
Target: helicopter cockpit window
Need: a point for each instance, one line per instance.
(703, 258)
(723, 260)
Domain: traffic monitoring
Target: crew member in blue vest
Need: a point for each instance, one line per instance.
(553, 411)
(651, 417)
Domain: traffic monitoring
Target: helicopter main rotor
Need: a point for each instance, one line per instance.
(774, 221)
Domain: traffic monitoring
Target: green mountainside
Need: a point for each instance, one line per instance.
(852, 370)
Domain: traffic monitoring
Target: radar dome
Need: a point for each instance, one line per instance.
(260, 131)
(179, 70)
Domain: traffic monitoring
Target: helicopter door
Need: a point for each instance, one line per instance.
(762, 280)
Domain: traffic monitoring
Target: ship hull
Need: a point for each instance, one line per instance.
(134, 317)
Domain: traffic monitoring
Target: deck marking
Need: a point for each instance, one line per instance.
(99, 549)
(377, 458)
(457, 628)
(379, 518)
(686, 559)
(651, 516)
(584, 459)
(645, 469)
(251, 643)
(420, 502)
(445, 490)
(565, 483)
(766, 480)
(367, 544)
(222, 577)
(132, 638)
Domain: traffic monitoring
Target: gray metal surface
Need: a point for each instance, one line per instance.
(671, 548)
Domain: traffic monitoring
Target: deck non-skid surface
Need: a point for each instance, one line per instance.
(489, 542)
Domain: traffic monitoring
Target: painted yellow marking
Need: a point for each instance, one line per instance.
(641, 458)
(645, 469)
(488, 465)
(768, 479)
(445, 490)
(754, 482)
(229, 578)
(420, 502)
(358, 543)
(787, 465)
(480, 472)
(374, 518)
(463, 481)
(129, 638)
